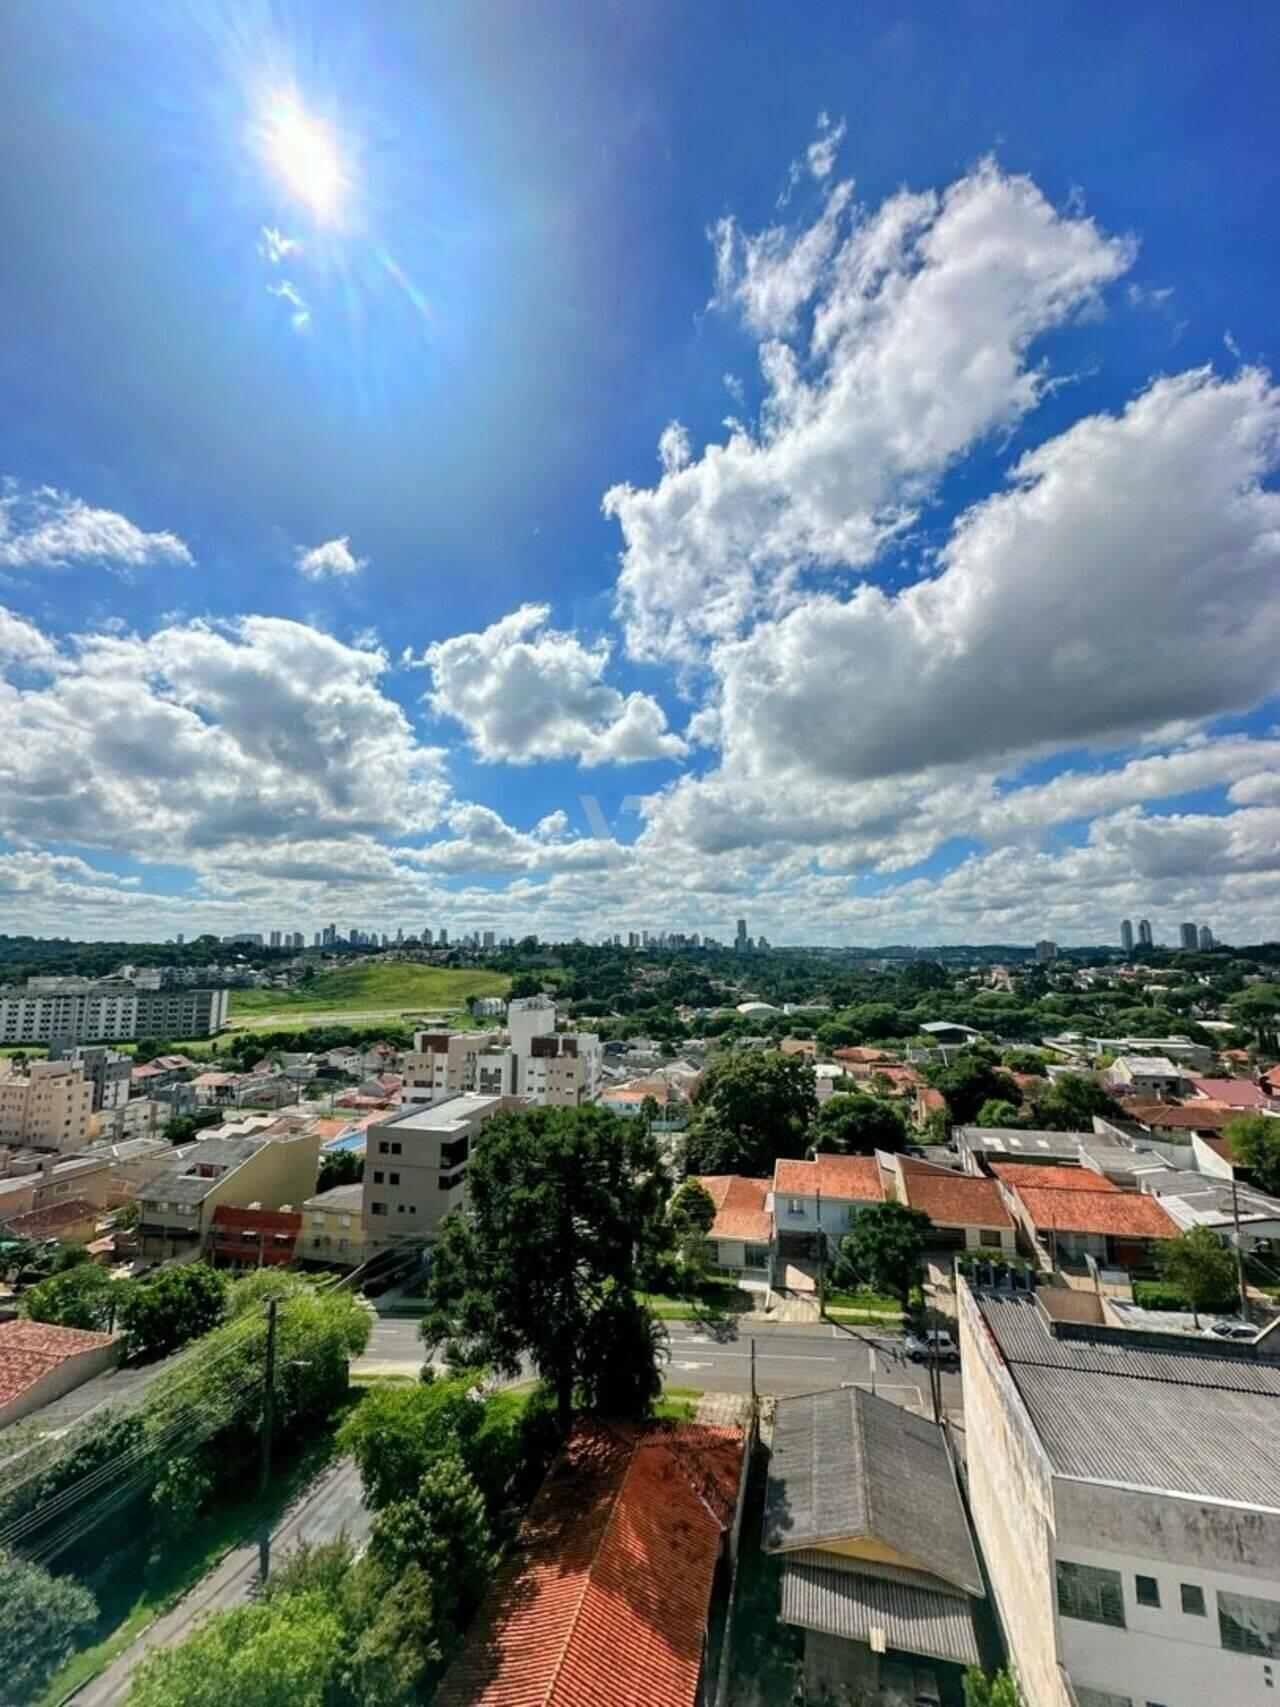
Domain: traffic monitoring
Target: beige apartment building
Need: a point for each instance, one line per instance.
(415, 1167)
(333, 1227)
(176, 1209)
(49, 1106)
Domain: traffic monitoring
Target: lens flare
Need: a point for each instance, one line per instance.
(302, 152)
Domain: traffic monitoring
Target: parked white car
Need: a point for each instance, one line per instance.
(936, 1343)
(1231, 1328)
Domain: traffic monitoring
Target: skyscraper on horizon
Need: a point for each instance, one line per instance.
(1145, 937)
(1189, 935)
(1126, 935)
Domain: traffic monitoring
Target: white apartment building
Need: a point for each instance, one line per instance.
(48, 1107)
(1125, 1489)
(531, 1060)
(106, 1010)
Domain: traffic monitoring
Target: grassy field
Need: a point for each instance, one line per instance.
(391, 987)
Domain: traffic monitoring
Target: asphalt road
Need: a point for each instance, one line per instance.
(798, 1357)
(791, 1357)
(331, 1505)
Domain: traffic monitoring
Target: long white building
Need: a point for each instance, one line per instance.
(105, 1010)
(1125, 1488)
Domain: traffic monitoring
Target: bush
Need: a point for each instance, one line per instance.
(1159, 1295)
(43, 1618)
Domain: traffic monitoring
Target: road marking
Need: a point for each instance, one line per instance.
(688, 1363)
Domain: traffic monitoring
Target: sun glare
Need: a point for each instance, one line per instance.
(302, 151)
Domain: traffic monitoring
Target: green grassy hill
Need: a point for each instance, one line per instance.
(390, 987)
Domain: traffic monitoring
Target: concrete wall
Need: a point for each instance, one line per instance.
(1164, 1654)
(1011, 1497)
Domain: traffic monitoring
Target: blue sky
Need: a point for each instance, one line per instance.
(558, 231)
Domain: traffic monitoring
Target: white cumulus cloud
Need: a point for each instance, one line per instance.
(524, 690)
(44, 528)
(334, 557)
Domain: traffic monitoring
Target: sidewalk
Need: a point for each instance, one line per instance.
(333, 1505)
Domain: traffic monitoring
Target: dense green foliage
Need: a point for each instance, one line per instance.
(565, 1205)
(999, 1690)
(856, 1125)
(693, 1208)
(1201, 1267)
(886, 1246)
(750, 1107)
(166, 1309)
(83, 1297)
(1069, 1103)
(194, 1430)
(41, 1619)
(340, 1167)
(1255, 1143)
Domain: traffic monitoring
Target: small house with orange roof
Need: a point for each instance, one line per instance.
(821, 1198)
(741, 1235)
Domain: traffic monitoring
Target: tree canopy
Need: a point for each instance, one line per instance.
(1255, 1143)
(83, 1297)
(854, 1124)
(1202, 1269)
(886, 1245)
(43, 1619)
(170, 1307)
(565, 1204)
(1069, 1103)
(750, 1107)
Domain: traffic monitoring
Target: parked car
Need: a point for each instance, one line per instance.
(1231, 1328)
(936, 1344)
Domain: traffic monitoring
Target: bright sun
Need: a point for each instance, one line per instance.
(303, 153)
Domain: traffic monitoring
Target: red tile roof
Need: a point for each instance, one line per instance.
(1121, 1214)
(740, 1207)
(859, 1052)
(950, 1199)
(1232, 1093)
(855, 1179)
(1049, 1178)
(1194, 1116)
(29, 1350)
(605, 1593)
(48, 1222)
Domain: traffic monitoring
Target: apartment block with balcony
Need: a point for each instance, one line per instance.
(75, 1010)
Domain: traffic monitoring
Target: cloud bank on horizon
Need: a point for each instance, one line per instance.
(884, 714)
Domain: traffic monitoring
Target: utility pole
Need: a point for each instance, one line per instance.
(1235, 1216)
(754, 1394)
(822, 1251)
(269, 1393)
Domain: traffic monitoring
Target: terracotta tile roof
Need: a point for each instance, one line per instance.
(1198, 1116)
(29, 1350)
(855, 1179)
(928, 1098)
(740, 1207)
(45, 1223)
(950, 1199)
(1121, 1214)
(859, 1052)
(1048, 1178)
(1232, 1093)
(605, 1593)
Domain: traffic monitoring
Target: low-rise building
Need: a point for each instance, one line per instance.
(878, 1566)
(73, 1221)
(967, 1211)
(606, 1594)
(107, 1070)
(741, 1235)
(1071, 1215)
(40, 1362)
(1127, 1503)
(814, 1204)
(1143, 1075)
(253, 1237)
(333, 1227)
(176, 1209)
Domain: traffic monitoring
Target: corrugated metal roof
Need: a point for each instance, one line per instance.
(1203, 1422)
(846, 1464)
(850, 1604)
